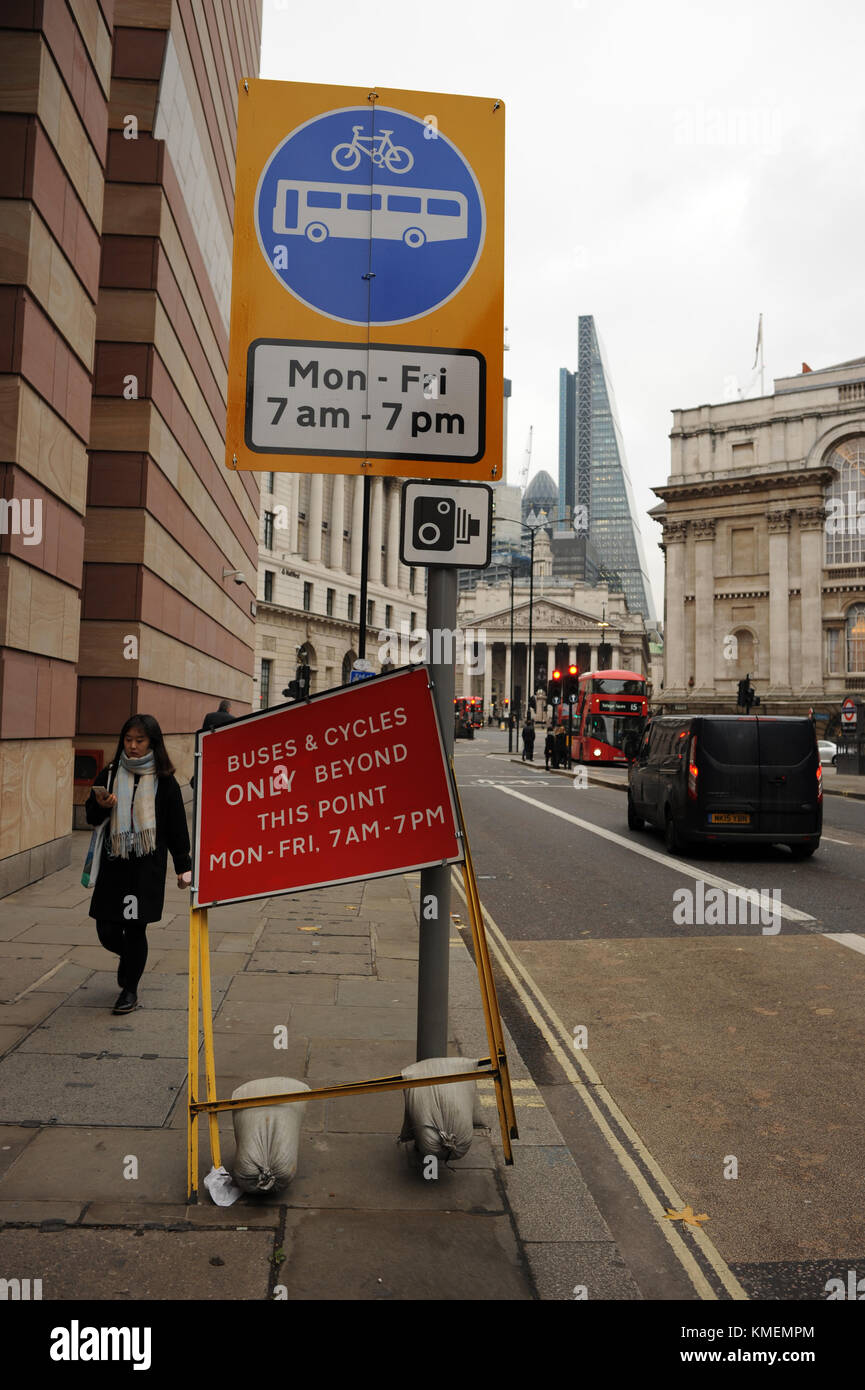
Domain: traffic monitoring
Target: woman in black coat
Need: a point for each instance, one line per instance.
(140, 793)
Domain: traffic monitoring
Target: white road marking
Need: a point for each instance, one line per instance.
(835, 842)
(513, 968)
(848, 938)
(667, 861)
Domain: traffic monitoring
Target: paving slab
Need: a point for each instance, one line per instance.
(175, 962)
(35, 1213)
(20, 977)
(83, 1091)
(253, 1054)
(92, 1164)
(372, 1172)
(303, 943)
(354, 1021)
(75, 1031)
(253, 988)
(590, 1270)
(11, 1036)
(334, 1060)
(166, 1215)
(378, 1112)
(99, 991)
(13, 1141)
(124, 1266)
(410, 1255)
(33, 1008)
(251, 1017)
(390, 970)
(334, 926)
(288, 962)
(386, 993)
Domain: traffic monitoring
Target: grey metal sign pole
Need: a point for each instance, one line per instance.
(435, 884)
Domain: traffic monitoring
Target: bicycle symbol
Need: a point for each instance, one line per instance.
(397, 158)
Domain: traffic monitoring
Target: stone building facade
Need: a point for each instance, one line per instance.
(764, 541)
(309, 564)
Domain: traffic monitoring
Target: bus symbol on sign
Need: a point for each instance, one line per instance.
(365, 248)
(413, 215)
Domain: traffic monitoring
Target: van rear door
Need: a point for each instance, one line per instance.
(788, 777)
(728, 779)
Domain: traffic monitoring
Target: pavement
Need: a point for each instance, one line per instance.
(93, 1118)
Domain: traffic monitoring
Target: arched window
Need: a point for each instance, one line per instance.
(856, 639)
(746, 653)
(845, 504)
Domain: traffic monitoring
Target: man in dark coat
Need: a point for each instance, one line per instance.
(528, 741)
(218, 717)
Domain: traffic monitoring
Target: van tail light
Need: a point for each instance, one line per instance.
(692, 769)
(819, 783)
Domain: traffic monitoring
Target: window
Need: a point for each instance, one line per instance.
(363, 202)
(388, 615)
(411, 581)
(856, 639)
(268, 586)
(268, 530)
(331, 595)
(370, 612)
(271, 480)
(412, 621)
(445, 207)
(264, 683)
(833, 650)
(316, 198)
(845, 505)
(400, 203)
(307, 598)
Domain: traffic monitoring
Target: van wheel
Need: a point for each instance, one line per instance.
(803, 851)
(635, 822)
(672, 838)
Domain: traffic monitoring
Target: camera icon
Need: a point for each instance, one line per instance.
(439, 524)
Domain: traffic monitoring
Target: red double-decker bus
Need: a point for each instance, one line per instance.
(612, 709)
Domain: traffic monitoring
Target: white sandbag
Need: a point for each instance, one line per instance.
(439, 1118)
(267, 1136)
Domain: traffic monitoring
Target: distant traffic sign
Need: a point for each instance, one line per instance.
(848, 711)
(446, 524)
(367, 283)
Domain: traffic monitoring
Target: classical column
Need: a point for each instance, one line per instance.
(393, 538)
(293, 520)
(507, 691)
(357, 527)
(704, 603)
(779, 602)
(337, 522)
(593, 657)
(572, 656)
(488, 678)
(811, 523)
(675, 533)
(376, 530)
(313, 527)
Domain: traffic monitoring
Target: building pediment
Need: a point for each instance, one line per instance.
(545, 615)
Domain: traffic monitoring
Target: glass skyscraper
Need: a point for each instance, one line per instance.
(593, 470)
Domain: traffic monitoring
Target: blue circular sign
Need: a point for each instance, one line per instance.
(369, 215)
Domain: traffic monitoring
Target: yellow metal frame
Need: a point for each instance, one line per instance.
(494, 1066)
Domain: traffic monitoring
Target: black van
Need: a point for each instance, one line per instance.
(713, 777)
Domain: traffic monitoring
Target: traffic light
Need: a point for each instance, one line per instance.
(746, 697)
(554, 689)
(292, 691)
(571, 685)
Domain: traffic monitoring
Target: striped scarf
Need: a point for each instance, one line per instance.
(133, 823)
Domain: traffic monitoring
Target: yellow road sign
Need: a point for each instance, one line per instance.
(367, 282)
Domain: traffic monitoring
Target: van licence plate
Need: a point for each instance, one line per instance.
(727, 818)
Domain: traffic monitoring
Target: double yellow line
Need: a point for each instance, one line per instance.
(588, 1087)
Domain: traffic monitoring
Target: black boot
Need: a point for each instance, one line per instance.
(127, 1000)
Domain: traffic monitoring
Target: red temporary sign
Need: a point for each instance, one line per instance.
(352, 784)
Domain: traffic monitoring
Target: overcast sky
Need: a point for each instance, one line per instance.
(674, 168)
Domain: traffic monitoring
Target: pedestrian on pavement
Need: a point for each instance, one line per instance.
(218, 717)
(549, 749)
(140, 793)
(528, 741)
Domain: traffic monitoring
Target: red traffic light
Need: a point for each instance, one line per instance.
(557, 675)
(573, 670)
